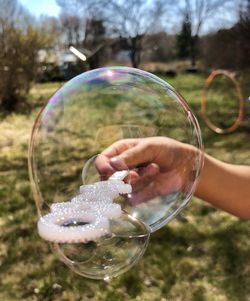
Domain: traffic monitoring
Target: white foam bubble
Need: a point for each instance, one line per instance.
(86, 216)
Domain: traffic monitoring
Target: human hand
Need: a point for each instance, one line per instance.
(158, 166)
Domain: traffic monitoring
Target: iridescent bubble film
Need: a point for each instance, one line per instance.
(83, 118)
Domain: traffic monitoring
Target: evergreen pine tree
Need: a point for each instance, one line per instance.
(184, 39)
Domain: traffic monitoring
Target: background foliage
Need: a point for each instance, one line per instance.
(202, 255)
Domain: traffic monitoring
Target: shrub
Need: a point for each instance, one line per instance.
(18, 61)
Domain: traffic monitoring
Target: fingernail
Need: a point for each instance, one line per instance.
(118, 163)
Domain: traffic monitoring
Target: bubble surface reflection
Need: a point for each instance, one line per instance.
(83, 118)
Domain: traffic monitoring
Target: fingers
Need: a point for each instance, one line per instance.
(145, 194)
(103, 166)
(134, 156)
(126, 154)
(146, 178)
(151, 169)
(107, 167)
(119, 147)
(144, 184)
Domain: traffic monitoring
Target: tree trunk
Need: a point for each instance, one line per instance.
(194, 50)
(134, 58)
(135, 51)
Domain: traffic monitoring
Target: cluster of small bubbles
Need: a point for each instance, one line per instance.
(97, 230)
(85, 217)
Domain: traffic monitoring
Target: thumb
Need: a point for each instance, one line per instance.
(132, 157)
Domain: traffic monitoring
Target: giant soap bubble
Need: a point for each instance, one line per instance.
(87, 216)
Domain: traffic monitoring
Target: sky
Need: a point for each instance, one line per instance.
(50, 8)
(42, 7)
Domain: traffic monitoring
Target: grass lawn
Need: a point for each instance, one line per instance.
(202, 255)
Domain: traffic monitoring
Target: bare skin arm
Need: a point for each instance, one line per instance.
(225, 186)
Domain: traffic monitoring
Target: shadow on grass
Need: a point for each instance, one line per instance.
(232, 258)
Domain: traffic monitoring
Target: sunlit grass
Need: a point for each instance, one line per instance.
(204, 255)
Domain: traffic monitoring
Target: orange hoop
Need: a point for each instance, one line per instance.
(239, 118)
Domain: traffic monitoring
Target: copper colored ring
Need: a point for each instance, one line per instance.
(239, 118)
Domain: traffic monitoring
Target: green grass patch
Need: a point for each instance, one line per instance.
(202, 255)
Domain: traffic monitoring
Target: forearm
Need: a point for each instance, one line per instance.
(225, 186)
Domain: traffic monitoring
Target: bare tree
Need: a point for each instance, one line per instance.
(230, 48)
(131, 20)
(75, 16)
(128, 20)
(72, 29)
(244, 12)
(51, 27)
(83, 28)
(199, 12)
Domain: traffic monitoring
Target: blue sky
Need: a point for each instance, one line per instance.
(50, 8)
(37, 8)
